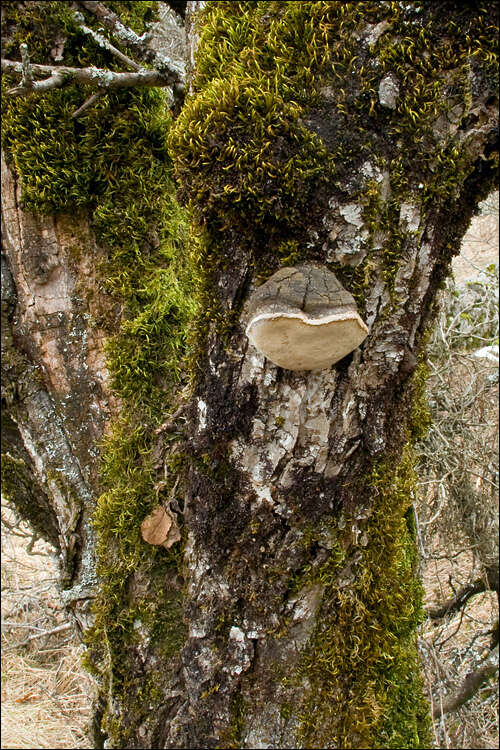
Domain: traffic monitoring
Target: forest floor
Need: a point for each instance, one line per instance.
(449, 649)
(46, 695)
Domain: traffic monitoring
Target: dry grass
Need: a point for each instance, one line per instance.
(480, 244)
(46, 695)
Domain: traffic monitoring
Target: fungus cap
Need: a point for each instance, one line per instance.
(302, 318)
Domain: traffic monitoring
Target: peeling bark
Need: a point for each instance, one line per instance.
(54, 382)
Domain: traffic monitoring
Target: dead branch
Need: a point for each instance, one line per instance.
(469, 687)
(86, 104)
(167, 71)
(52, 631)
(99, 78)
(26, 70)
(171, 421)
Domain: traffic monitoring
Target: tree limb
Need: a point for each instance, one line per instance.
(469, 687)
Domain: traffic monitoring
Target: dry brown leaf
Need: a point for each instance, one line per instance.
(155, 527)
(161, 527)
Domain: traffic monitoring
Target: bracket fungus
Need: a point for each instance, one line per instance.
(302, 318)
(160, 528)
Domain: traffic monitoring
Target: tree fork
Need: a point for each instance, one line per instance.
(361, 149)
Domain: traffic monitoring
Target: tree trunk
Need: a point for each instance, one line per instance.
(354, 136)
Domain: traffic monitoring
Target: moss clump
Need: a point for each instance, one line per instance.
(241, 149)
(362, 663)
(263, 170)
(285, 102)
(231, 737)
(420, 420)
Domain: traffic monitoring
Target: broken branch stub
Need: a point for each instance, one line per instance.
(302, 318)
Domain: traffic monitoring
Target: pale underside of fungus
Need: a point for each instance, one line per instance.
(302, 318)
(160, 528)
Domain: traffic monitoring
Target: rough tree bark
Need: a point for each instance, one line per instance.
(360, 136)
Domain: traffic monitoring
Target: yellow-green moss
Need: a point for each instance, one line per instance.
(361, 662)
(231, 737)
(240, 148)
(420, 420)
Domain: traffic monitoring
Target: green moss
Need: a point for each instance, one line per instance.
(420, 420)
(244, 174)
(362, 663)
(231, 737)
(241, 149)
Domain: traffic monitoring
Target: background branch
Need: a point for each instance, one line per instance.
(469, 687)
(454, 603)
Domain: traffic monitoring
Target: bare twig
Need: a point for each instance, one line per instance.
(439, 644)
(86, 104)
(167, 71)
(30, 626)
(58, 629)
(171, 421)
(136, 43)
(104, 43)
(55, 81)
(27, 72)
